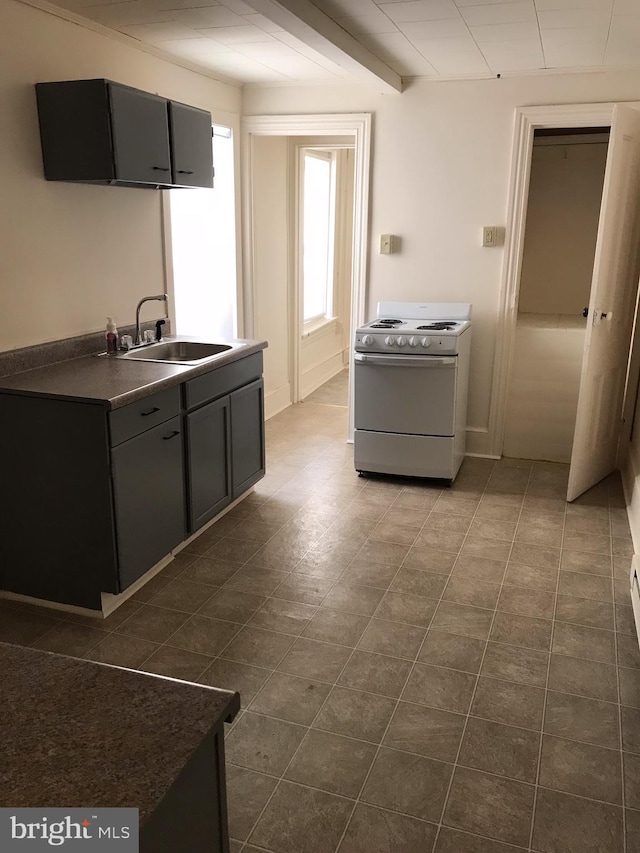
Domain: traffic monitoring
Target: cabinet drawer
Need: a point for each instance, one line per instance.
(221, 381)
(140, 416)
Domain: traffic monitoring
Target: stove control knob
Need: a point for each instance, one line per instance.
(425, 342)
(389, 341)
(367, 340)
(413, 342)
(402, 341)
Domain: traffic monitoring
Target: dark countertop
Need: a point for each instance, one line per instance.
(76, 733)
(115, 382)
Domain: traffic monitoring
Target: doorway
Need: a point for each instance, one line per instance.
(563, 210)
(273, 307)
(607, 369)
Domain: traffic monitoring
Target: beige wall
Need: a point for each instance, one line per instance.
(72, 254)
(562, 224)
(440, 170)
(270, 165)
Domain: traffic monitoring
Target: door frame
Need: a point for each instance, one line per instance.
(527, 121)
(359, 127)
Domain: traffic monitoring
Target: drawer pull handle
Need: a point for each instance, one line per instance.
(171, 435)
(150, 412)
(160, 169)
(185, 171)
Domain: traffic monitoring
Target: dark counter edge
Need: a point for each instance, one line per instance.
(183, 373)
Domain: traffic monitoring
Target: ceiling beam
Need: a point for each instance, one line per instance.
(317, 30)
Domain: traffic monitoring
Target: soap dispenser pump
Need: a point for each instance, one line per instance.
(111, 336)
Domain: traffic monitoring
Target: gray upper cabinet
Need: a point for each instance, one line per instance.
(191, 148)
(100, 132)
(140, 136)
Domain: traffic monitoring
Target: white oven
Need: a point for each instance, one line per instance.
(411, 375)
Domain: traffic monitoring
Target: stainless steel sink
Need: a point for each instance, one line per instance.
(177, 351)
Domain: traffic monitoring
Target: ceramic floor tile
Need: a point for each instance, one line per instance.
(425, 731)
(452, 650)
(331, 762)
(589, 678)
(287, 697)
(574, 825)
(582, 769)
(316, 660)
(355, 714)
(580, 718)
(410, 609)
(247, 794)
(375, 673)
(371, 830)
(263, 743)
(299, 818)
(438, 687)
(409, 784)
(176, 663)
(508, 702)
(239, 677)
(334, 626)
(526, 666)
(392, 638)
(463, 619)
(499, 749)
(490, 806)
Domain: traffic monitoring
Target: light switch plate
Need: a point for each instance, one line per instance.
(387, 244)
(489, 236)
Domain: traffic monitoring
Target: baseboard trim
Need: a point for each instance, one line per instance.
(277, 401)
(312, 378)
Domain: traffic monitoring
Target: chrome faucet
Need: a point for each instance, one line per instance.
(161, 297)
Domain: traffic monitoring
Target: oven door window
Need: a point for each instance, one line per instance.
(414, 400)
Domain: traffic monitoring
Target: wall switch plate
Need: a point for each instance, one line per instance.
(489, 236)
(387, 244)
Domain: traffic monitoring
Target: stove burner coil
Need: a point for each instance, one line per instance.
(438, 327)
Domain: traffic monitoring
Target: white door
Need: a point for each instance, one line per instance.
(611, 309)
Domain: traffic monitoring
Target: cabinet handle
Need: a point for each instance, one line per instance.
(161, 168)
(171, 435)
(185, 171)
(150, 412)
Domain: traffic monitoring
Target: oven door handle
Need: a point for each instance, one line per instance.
(405, 360)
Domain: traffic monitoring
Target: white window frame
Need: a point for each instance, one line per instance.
(320, 321)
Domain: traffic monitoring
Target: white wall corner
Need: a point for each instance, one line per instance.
(631, 486)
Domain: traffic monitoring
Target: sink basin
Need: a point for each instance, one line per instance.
(177, 351)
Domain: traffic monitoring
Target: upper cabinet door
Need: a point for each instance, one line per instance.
(191, 146)
(140, 131)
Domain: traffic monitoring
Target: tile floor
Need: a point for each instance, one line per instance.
(422, 670)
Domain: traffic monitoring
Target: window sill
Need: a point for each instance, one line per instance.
(315, 328)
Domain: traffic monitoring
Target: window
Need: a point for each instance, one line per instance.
(203, 249)
(318, 235)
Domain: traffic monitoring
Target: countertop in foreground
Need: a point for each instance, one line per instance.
(76, 733)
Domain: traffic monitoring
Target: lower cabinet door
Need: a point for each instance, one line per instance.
(148, 481)
(247, 436)
(209, 463)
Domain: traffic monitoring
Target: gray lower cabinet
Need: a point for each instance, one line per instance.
(247, 436)
(95, 498)
(148, 488)
(209, 469)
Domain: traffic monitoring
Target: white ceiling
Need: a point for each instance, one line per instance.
(423, 38)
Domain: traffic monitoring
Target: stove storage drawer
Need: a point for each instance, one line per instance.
(410, 395)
